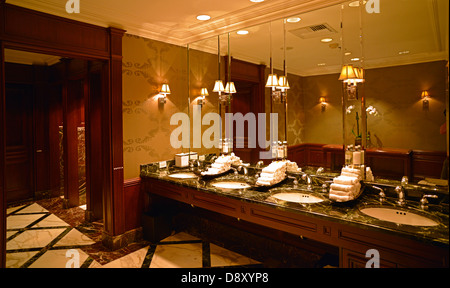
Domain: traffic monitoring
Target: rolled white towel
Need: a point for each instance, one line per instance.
(346, 180)
(338, 198)
(351, 170)
(358, 176)
(339, 193)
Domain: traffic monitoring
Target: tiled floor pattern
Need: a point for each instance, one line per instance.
(38, 238)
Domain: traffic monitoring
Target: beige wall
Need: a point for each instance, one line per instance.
(394, 91)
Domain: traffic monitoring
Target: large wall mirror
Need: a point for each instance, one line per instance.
(403, 50)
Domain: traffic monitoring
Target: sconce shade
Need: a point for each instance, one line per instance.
(204, 92)
(165, 89)
(347, 73)
(283, 83)
(272, 80)
(322, 100)
(359, 74)
(218, 86)
(230, 88)
(425, 94)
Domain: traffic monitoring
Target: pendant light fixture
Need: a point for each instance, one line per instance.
(218, 85)
(283, 83)
(272, 80)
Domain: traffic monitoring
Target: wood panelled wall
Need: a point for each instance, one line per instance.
(386, 163)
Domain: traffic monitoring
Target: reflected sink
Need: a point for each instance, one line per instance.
(398, 216)
(231, 185)
(183, 175)
(298, 197)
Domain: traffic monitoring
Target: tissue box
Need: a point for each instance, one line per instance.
(194, 155)
(182, 160)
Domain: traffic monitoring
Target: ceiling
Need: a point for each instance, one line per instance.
(419, 26)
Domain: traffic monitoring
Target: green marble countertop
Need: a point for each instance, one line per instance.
(346, 213)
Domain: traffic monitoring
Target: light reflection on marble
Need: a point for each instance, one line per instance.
(51, 221)
(178, 256)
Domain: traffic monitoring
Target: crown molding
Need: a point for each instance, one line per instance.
(183, 35)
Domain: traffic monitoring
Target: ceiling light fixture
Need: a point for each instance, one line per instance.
(326, 40)
(242, 32)
(355, 59)
(203, 17)
(293, 19)
(256, 1)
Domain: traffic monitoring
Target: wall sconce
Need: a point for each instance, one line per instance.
(165, 89)
(218, 87)
(323, 103)
(425, 98)
(203, 94)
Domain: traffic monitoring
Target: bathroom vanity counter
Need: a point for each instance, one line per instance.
(338, 224)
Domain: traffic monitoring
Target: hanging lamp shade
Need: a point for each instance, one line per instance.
(230, 88)
(218, 86)
(272, 80)
(283, 83)
(165, 89)
(348, 73)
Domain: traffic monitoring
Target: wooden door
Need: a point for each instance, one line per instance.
(19, 142)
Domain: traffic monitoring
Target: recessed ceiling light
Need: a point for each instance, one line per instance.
(242, 32)
(403, 52)
(321, 64)
(347, 53)
(355, 59)
(203, 17)
(256, 1)
(293, 20)
(356, 3)
(326, 40)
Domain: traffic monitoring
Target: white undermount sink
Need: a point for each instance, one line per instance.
(398, 216)
(297, 197)
(231, 185)
(183, 175)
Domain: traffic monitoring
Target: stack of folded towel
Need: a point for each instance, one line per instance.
(235, 160)
(272, 174)
(292, 166)
(222, 164)
(347, 186)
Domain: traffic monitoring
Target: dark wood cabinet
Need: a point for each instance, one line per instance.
(353, 241)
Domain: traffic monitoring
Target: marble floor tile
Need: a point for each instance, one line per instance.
(50, 221)
(132, 260)
(224, 257)
(177, 256)
(33, 238)
(74, 238)
(60, 258)
(181, 236)
(33, 208)
(21, 221)
(17, 259)
(12, 209)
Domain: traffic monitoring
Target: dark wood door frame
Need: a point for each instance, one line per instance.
(253, 74)
(60, 36)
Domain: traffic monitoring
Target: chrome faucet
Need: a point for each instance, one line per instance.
(405, 180)
(241, 167)
(259, 164)
(401, 195)
(319, 170)
(424, 201)
(381, 194)
(295, 182)
(308, 180)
